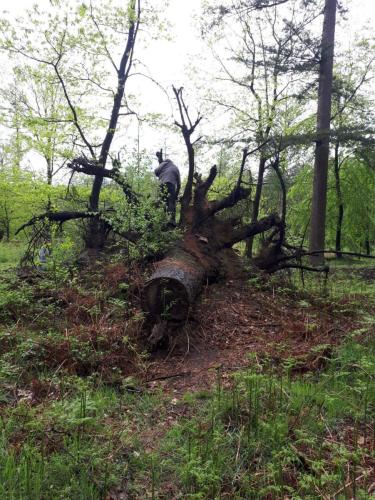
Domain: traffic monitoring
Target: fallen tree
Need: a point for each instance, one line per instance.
(198, 257)
(208, 235)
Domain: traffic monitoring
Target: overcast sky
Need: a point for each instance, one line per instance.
(168, 61)
(169, 64)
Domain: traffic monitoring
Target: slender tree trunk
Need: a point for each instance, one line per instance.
(368, 247)
(367, 240)
(49, 171)
(340, 203)
(319, 199)
(256, 205)
(96, 235)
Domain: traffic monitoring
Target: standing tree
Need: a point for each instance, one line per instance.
(270, 67)
(78, 48)
(36, 104)
(319, 198)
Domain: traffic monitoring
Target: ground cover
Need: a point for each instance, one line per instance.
(267, 392)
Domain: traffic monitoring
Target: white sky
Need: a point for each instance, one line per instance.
(168, 62)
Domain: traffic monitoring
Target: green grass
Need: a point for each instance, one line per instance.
(271, 435)
(268, 433)
(76, 447)
(347, 278)
(11, 253)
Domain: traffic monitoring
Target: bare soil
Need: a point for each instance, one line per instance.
(234, 324)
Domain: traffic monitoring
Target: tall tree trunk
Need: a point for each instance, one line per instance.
(367, 240)
(340, 203)
(95, 237)
(49, 171)
(368, 247)
(319, 199)
(256, 204)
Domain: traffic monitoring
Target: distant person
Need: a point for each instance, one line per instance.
(170, 184)
(44, 253)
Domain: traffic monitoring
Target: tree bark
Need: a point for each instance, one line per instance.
(195, 260)
(174, 286)
(187, 127)
(319, 199)
(340, 203)
(256, 204)
(95, 236)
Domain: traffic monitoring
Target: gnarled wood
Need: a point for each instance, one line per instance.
(179, 277)
(174, 286)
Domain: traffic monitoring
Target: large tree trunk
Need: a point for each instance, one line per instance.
(177, 281)
(192, 262)
(319, 199)
(197, 257)
(340, 203)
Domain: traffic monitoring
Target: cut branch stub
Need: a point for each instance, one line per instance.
(174, 286)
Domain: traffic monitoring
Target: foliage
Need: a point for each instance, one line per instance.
(357, 185)
(77, 423)
(271, 434)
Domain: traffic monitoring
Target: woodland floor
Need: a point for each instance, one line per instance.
(239, 319)
(90, 333)
(233, 320)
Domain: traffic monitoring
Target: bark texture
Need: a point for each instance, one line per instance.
(196, 259)
(319, 200)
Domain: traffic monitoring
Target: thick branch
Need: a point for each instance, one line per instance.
(353, 254)
(82, 165)
(260, 226)
(62, 217)
(276, 167)
(58, 217)
(201, 189)
(323, 269)
(187, 128)
(238, 194)
(122, 76)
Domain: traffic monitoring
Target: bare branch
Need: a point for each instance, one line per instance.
(187, 132)
(260, 226)
(58, 217)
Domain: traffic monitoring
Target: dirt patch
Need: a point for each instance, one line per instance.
(234, 325)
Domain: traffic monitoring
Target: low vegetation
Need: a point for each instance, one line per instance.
(81, 417)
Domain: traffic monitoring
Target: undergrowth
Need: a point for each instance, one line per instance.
(76, 420)
(273, 436)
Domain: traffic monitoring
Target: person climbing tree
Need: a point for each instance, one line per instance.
(170, 182)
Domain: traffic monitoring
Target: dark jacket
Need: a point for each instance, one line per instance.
(168, 172)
